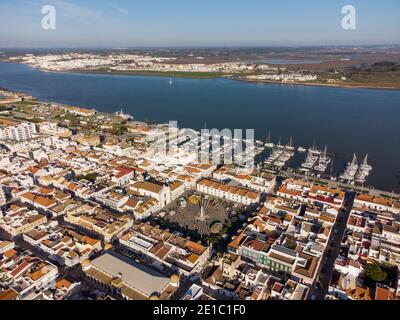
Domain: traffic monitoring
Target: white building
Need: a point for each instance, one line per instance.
(27, 275)
(375, 203)
(54, 130)
(5, 246)
(235, 194)
(3, 199)
(113, 200)
(68, 248)
(158, 191)
(15, 130)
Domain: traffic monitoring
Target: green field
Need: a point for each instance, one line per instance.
(24, 103)
(203, 75)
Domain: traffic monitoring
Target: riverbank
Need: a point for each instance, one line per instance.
(210, 75)
(320, 84)
(188, 75)
(214, 75)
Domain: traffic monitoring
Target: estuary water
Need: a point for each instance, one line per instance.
(349, 121)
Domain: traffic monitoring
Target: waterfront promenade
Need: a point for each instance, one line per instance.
(349, 187)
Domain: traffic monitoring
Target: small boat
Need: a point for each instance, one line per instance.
(269, 145)
(123, 115)
(290, 146)
(259, 143)
(268, 142)
(301, 149)
(350, 172)
(363, 171)
(279, 145)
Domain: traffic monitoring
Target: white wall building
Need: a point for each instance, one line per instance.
(235, 194)
(16, 131)
(3, 199)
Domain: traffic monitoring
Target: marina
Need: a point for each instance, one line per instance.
(363, 171)
(316, 163)
(356, 173)
(279, 157)
(284, 110)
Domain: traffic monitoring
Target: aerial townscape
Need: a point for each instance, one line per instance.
(90, 209)
(199, 159)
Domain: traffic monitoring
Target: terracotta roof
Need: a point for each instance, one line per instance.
(176, 185)
(383, 294)
(148, 186)
(63, 283)
(230, 189)
(376, 200)
(9, 294)
(43, 201)
(195, 247)
(236, 242)
(10, 253)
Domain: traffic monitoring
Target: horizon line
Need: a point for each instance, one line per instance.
(203, 46)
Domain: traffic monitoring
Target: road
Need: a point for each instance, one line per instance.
(333, 247)
(331, 183)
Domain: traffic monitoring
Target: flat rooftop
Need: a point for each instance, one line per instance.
(137, 276)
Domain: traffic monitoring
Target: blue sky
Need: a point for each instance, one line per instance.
(134, 23)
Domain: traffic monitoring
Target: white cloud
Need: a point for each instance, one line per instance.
(119, 9)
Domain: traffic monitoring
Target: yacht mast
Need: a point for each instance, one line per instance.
(268, 136)
(365, 162)
(354, 161)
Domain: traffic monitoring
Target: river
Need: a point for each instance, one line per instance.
(347, 120)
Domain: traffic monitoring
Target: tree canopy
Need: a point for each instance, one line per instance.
(375, 273)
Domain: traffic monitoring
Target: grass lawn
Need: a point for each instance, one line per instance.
(178, 74)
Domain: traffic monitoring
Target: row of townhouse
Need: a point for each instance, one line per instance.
(305, 192)
(66, 247)
(262, 182)
(177, 254)
(231, 193)
(373, 238)
(370, 240)
(25, 274)
(3, 199)
(140, 206)
(98, 221)
(287, 237)
(377, 203)
(18, 219)
(234, 278)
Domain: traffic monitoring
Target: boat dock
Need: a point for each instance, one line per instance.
(345, 186)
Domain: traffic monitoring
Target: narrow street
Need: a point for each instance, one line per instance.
(333, 246)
